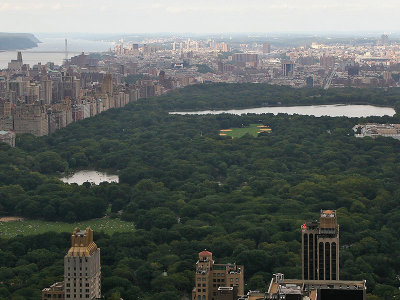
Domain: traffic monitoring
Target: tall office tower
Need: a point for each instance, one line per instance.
(210, 277)
(174, 46)
(320, 248)
(82, 267)
(107, 85)
(266, 48)
(287, 68)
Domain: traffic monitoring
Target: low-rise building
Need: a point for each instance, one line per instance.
(374, 130)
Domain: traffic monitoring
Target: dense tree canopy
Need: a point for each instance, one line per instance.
(186, 189)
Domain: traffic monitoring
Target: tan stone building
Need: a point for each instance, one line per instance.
(210, 277)
(82, 271)
(82, 267)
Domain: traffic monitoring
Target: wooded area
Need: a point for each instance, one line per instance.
(186, 189)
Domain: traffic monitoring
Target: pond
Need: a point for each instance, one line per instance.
(334, 110)
(95, 177)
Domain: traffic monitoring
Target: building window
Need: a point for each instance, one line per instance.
(199, 284)
(231, 279)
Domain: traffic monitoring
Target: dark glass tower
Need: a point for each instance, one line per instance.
(320, 248)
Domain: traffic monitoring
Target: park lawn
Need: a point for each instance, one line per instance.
(32, 227)
(252, 129)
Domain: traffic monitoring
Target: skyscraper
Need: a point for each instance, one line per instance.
(82, 267)
(320, 248)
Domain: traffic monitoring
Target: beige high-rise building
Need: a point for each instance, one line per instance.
(107, 85)
(82, 267)
(320, 248)
(210, 277)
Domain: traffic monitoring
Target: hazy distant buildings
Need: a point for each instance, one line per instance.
(266, 48)
(107, 85)
(287, 68)
(16, 65)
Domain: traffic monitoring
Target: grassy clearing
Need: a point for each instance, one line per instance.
(252, 129)
(32, 227)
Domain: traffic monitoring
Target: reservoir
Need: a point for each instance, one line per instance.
(95, 177)
(334, 110)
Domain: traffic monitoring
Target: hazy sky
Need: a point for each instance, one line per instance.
(212, 16)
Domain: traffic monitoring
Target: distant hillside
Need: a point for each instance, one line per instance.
(17, 41)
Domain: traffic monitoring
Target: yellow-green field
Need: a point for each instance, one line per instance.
(252, 129)
(32, 227)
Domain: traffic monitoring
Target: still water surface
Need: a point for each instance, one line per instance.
(89, 176)
(52, 50)
(336, 110)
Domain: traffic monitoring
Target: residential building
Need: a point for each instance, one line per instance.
(82, 270)
(210, 277)
(82, 267)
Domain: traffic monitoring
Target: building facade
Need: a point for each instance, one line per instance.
(320, 248)
(210, 277)
(82, 267)
(82, 271)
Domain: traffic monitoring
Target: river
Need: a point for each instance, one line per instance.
(53, 50)
(335, 110)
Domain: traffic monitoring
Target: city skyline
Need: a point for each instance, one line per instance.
(188, 16)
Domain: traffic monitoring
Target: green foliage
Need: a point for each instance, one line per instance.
(186, 189)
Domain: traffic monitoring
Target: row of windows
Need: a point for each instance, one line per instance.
(219, 274)
(201, 279)
(86, 296)
(80, 260)
(80, 269)
(69, 291)
(87, 284)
